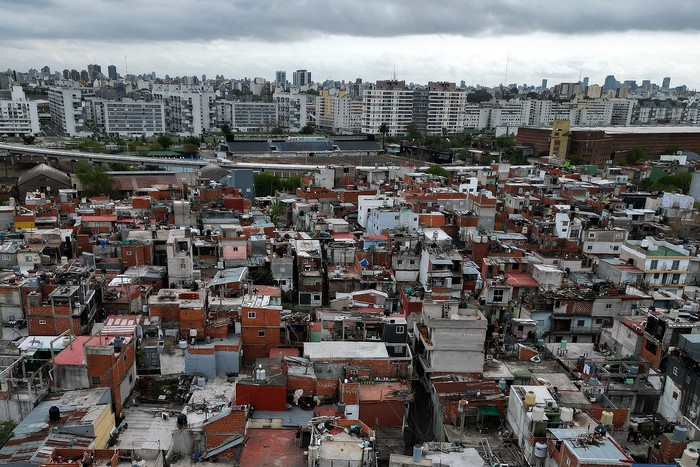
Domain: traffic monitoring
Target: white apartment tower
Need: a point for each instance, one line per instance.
(18, 116)
(390, 103)
(189, 110)
(291, 110)
(66, 107)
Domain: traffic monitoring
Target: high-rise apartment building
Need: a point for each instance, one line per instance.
(445, 109)
(338, 112)
(247, 116)
(189, 110)
(666, 84)
(18, 116)
(128, 118)
(66, 107)
(291, 110)
(388, 103)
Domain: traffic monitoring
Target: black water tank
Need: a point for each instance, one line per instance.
(54, 414)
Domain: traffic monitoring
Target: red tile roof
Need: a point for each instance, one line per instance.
(521, 279)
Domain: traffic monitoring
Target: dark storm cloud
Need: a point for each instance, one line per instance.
(285, 20)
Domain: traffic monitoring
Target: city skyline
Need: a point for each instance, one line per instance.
(464, 41)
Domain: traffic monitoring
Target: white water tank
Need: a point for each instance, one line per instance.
(537, 414)
(690, 458)
(260, 373)
(540, 450)
(567, 414)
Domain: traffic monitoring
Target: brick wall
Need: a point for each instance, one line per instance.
(327, 388)
(619, 415)
(307, 383)
(221, 430)
(349, 392)
(671, 449)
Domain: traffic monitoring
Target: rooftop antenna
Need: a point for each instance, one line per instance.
(394, 77)
(505, 79)
(126, 67)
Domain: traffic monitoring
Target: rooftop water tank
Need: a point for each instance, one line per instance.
(54, 413)
(690, 458)
(537, 414)
(540, 450)
(606, 418)
(567, 414)
(530, 398)
(680, 433)
(562, 344)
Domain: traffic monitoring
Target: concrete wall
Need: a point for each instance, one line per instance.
(216, 364)
(71, 377)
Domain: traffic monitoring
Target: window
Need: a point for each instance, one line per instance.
(615, 248)
(400, 329)
(580, 323)
(183, 266)
(261, 333)
(399, 261)
(412, 262)
(131, 378)
(654, 264)
(96, 380)
(676, 264)
(589, 247)
(599, 321)
(591, 235)
(618, 235)
(29, 258)
(128, 252)
(498, 295)
(317, 297)
(251, 315)
(608, 306)
(42, 321)
(657, 275)
(5, 257)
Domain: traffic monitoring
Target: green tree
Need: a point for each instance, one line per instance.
(478, 96)
(307, 130)
(635, 155)
(226, 129)
(276, 211)
(672, 149)
(93, 179)
(193, 140)
(165, 141)
(383, 130)
(262, 276)
(439, 171)
(679, 181)
(576, 160)
(266, 184)
(6, 428)
(291, 183)
(412, 131)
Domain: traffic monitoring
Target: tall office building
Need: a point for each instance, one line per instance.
(281, 77)
(301, 78)
(610, 83)
(666, 83)
(544, 84)
(584, 84)
(112, 72)
(46, 71)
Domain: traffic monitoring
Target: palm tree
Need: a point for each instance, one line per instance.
(383, 129)
(276, 211)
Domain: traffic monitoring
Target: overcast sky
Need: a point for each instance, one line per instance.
(449, 40)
